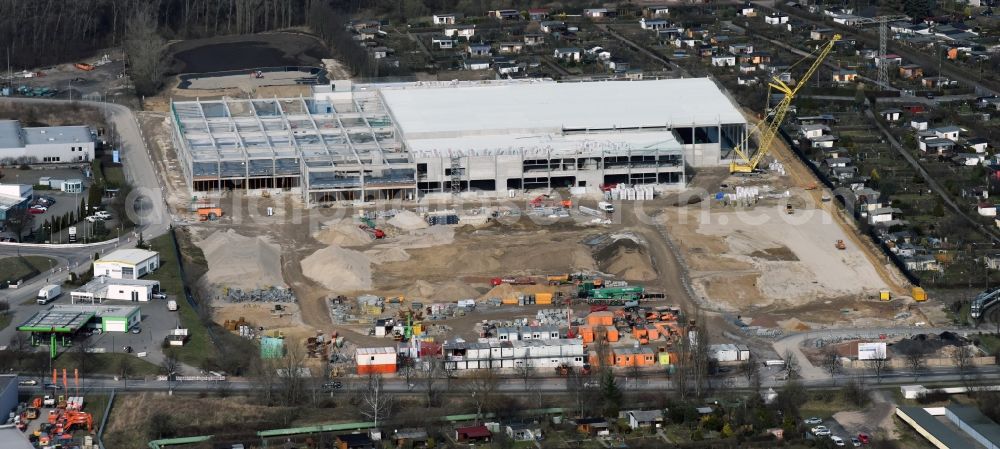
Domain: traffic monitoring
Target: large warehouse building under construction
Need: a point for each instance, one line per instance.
(350, 142)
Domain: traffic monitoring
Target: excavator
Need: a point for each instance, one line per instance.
(748, 160)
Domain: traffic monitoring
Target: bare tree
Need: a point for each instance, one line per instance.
(124, 368)
(18, 221)
(831, 362)
(962, 359)
(791, 367)
(144, 47)
(700, 359)
(482, 387)
(293, 376)
(429, 378)
(751, 370)
(376, 403)
(525, 369)
(170, 364)
(916, 358)
(879, 364)
(579, 388)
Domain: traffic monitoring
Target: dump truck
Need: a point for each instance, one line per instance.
(522, 280)
(48, 293)
(557, 279)
(919, 294)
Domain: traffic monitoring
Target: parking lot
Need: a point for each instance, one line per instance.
(156, 323)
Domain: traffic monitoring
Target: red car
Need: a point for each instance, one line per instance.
(863, 438)
(36, 211)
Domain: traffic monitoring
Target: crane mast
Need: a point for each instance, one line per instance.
(747, 161)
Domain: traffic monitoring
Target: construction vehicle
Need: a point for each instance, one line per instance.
(368, 225)
(884, 295)
(546, 201)
(84, 66)
(209, 213)
(522, 280)
(747, 161)
(840, 245)
(557, 279)
(919, 294)
(789, 209)
(615, 296)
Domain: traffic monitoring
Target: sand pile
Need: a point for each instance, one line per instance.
(794, 324)
(447, 291)
(339, 269)
(408, 221)
(386, 255)
(241, 262)
(343, 232)
(626, 259)
(426, 238)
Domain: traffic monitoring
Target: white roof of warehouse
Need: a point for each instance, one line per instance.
(128, 256)
(544, 106)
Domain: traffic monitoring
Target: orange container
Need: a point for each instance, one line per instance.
(612, 333)
(604, 318)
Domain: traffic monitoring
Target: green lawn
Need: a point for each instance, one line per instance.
(198, 347)
(108, 364)
(114, 176)
(15, 268)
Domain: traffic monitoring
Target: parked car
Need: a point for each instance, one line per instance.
(855, 442)
(159, 296)
(36, 210)
(53, 386)
(336, 385)
(813, 420)
(93, 218)
(104, 215)
(863, 437)
(28, 382)
(820, 431)
(837, 441)
(136, 330)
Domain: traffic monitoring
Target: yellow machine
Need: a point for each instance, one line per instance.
(747, 162)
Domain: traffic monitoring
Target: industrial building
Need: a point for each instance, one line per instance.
(13, 197)
(552, 353)
(56, 325)
(351, 142)
(127, 264)
(103, 287)
(45, 144)
(8, 394)
(968, 426)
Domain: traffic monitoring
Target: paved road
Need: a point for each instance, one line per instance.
(922, 100)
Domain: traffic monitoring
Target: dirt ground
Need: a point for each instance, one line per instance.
(246, 52)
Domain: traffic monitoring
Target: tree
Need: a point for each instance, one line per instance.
(525, 369)
(856, 391)
(124, 368)
(375, 402)
(292, 376)
(428, 380)
(170, 364)
(482, 387)
(161, 425)
(19, 220)
(580, 390)
(879, 363)
(791, 367)
(916, 358)
(144, 48)
(611, 393)
(962, 359)
(831, 362)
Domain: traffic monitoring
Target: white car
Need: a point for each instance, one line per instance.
(838, 441)
(93, 218)
(104, 215)
(820, 431)
(813, 420)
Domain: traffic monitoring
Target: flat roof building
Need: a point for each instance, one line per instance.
(350, 142)
(103, 287)
(46, 144)
(130, 263)
(8, 395)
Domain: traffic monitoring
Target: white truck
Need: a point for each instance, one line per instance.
(48, 293)
(172, 305)
(606, 206)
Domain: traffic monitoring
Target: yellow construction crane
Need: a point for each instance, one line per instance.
(768, 128)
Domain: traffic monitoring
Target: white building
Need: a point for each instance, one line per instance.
(776, 19)
(528, 333)
(13, 197)
(371, 142)
(127, 264)
(461, 355)
(50, 144)
(103, 287)
(445, 19)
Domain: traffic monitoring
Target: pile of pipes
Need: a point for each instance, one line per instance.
(272, 294)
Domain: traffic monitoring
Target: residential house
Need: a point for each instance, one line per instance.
(415, 438)
(593, 426)
(748, 11)
(936, 145)
(465, 31)
(639, 419)
(367, 34)
(891, 115)
(918, 124)
(821, 34)
(380, 52)
(843, 173)
(742, 48)
(532, 39)
(811, 131)
(656, 11)
(567, 54)
(615, 64)
(993, 103)
(910, 71)
(890, 59)
(538, 14)
(747, 68)
(443, 42)
(505, 14)
(935, 82)
(596, 13)
(653, 24)
(523, 431)
(904, 28)
(507, 68)
(354, 441)
(922, 262)
(844, 76)
(825, 141)
(750, 81)
(776, 18)
(723, 61)
(968, 159)
(511, 47)
(552, 26)
(950, 132)
(905, 249)
(837, 162)
(360, 24)
(883, 214)
(446, 19)
(479, 50)
(986, 209)
(978, 144)
(915, 108)
(867, 195)
(992, 261)
(473, 434)
(759, 57)
(670, 34)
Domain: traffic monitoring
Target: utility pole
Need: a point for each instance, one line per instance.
(883, 69)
